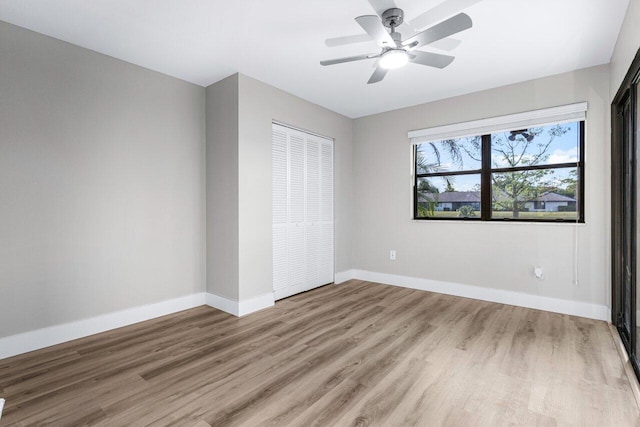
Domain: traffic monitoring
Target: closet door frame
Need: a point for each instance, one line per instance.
(624, 222)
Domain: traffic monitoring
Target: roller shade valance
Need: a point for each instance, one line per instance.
(562, 114)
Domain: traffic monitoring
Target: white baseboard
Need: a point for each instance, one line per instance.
(343, 276)
(240, 308)
(254, 304)
(574, 308)
(41, 338)
(221, 303)
(45, 337)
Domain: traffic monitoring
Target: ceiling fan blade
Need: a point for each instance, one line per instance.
(373, 26)
(377, 75)
(441, 11)
(430, 59)
(340, 41)
(447, 44)
(453, 25)
(349, 59)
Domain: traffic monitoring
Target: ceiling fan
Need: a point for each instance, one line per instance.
(437, 13)
(396, 52)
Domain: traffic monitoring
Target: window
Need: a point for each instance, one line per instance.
(448, 178)
(526, 174)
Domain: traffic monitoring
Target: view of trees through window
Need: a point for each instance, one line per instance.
(526, 174)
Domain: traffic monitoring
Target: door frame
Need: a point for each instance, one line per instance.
(628, 91)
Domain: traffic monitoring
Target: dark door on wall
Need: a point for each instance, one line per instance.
(624, 211)
(625, 195)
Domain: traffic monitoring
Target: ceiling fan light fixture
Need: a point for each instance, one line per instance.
(394, 58)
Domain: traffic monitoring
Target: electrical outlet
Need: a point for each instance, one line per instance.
(392, 255)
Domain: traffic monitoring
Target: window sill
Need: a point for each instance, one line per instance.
(477, 221)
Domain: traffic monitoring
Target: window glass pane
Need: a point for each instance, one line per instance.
(449, 196)
(546, 145)
(535, 194)
(449, 155)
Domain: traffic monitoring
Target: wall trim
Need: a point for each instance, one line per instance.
(574, 308)
(254, 304)
(242, 307)
(343, 276)
(52, 335)
(221, 303)
(45, 337)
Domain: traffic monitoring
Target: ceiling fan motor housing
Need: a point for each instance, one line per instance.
(393, 17)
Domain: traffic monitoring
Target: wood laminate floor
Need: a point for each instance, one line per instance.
(355, 354)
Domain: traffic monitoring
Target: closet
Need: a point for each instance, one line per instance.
(302, 210)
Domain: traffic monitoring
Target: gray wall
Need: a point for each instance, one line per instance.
(222, 188)
(259, 105)
(102, 178)
(626, 46)
(492, 255)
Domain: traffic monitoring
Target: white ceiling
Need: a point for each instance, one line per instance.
(281, 42)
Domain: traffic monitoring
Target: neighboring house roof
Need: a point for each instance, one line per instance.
(552, 197)
(453, 196)
(474, 197)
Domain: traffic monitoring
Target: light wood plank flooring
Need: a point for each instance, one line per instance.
(355, 354)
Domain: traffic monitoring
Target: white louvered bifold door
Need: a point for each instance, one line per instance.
(325, 247)
(302, 211)
(296, 223)
(279, 200)
(313, 211)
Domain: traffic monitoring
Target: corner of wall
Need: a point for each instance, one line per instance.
(626, 47)
(222, 182)
(240, 308)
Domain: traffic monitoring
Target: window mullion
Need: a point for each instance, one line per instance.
(455, 173)
(415, 181)
(536, 167)
(485, 179)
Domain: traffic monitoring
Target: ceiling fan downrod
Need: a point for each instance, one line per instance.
(392, 18)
